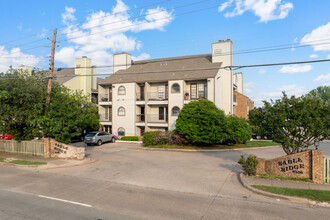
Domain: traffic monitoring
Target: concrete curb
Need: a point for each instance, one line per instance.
(276, 196)
(132, 142)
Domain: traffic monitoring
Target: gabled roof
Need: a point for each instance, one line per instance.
(176, 68)
(63, 72)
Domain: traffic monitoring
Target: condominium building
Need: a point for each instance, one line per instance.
(148, 95)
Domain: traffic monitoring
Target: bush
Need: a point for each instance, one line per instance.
(238, 131)
(249, 164)
(149, 138)
(161, 138)
(130, 138)
(202, 123)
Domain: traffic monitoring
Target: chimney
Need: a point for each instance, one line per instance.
(81, 63)
(222, 52)
(238, 81)
(121, 61)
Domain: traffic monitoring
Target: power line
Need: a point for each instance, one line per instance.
(21, 38)
(212, 68)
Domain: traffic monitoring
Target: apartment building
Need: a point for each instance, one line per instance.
(86, 82)
(148, 95)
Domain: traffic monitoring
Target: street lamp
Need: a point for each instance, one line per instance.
(316, 143)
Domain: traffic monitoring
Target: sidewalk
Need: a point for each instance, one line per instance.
(52, 163)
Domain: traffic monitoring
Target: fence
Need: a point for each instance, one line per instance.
(25, 147)
(326, 170)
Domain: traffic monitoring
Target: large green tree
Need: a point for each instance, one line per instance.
(24, 114)
(294, 122)
(321, 92)
(202, 123)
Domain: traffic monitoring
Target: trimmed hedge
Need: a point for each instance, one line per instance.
(238, 131)
(162, 137)
(149, 138)
(130, 138)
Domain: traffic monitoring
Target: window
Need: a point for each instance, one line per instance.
(161, 115)
(175, 88)
(175, 111)
(121, 111)
(121, 132)
(121, 90)
(198, 91)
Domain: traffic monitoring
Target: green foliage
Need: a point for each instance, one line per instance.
(202, 123)
(24, 114)
(293, 122)
(130, 138)
(249, 164)
(238, 130)
(149, 138)
(22, 101)
(321, 92)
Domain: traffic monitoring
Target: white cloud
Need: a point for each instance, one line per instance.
(288, 89)
(292, 69)
(248, 87)
(318, 36)
(105, 33)
(262, 71)
(328, 57)
(266, 10)
(15, 58)
(323, 78)
(142, 56)
(313, 55)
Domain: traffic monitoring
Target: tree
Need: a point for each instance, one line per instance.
(238, 130)
(322, 92)
(201, 123)
(293, 122)
(22, 101)
(24, 114)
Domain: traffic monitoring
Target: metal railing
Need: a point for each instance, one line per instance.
(326, 170)
(104, 117)
(105, 98)
(157, 96)
(25, 147)
(140, 118)
(156, 118)
(201, 95)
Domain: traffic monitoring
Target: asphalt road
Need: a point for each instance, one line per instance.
(131, 183)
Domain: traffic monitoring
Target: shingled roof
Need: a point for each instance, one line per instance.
(63, 72)
(175, 68)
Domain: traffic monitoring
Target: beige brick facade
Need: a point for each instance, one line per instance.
(243, 105)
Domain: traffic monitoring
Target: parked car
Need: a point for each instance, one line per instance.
(6, 137)
(98, 137)
(79, 138)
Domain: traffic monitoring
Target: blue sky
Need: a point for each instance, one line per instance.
(172, 29)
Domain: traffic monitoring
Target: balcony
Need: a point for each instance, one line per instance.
(140, 118)
(139, 97)
(105, 98)
(104, 117)
(188, 97)
(157, 96)
(157, 118)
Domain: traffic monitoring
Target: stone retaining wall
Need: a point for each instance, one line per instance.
(53, 148)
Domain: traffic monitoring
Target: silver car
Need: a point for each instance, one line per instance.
(98, 137)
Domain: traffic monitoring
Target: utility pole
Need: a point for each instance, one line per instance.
(51, 73)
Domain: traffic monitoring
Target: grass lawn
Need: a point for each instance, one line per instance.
(25, 162)
(2, 159)
(249, 144)
(317, 195)
(268, 176)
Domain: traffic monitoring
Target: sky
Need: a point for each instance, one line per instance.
(269, 31)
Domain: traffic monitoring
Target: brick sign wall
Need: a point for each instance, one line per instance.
(53, 148)
(307, 164)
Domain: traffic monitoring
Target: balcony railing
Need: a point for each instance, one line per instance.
(157, 96)
(156, 118)
(105, 98)
(140, 118)
(104, 117)
(200, 95)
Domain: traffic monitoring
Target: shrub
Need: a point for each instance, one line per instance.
(238, 131)
(162, 137)
(201, 123)
(149, 138)
(249, 164)
(130, 138)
